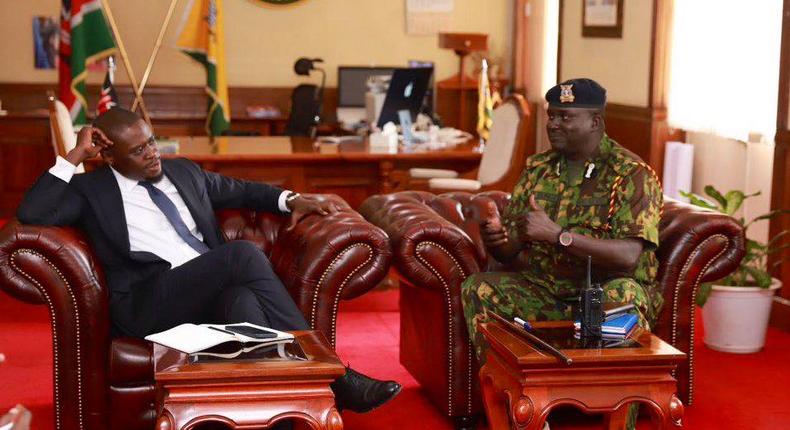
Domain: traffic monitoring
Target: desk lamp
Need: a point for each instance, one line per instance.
(463, 44)
(302, 67)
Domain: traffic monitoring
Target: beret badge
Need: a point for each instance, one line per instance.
(566, 94)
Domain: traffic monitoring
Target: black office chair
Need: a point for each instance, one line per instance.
(305, 109)
(306, 100)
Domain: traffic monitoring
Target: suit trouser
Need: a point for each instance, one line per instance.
(231, 283)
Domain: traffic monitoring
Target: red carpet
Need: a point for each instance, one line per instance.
(732, 391)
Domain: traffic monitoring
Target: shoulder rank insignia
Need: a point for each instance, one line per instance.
(566, 94)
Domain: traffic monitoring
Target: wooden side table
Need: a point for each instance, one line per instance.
(249, 393)
(522, 384)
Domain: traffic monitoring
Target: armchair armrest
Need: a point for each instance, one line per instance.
(426, 245)
(453, 184)
(695, 245)
(56, 267)
(423, 173)
(324, 259)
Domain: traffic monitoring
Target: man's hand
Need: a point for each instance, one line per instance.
(538, 226)
(303, 206)
(493, 233)
(90, 142)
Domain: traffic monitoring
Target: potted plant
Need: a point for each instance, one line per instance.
(736, 308)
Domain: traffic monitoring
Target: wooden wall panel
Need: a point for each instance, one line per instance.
(26, 151)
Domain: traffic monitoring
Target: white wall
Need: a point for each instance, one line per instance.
(729, 164)
(622, 65)
(263, 41)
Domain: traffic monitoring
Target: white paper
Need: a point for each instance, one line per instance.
(191, 338)
(426, 17)
(678, 169)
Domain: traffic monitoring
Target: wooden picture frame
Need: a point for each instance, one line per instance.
(602, 18)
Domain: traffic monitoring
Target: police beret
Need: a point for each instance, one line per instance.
(577, 93)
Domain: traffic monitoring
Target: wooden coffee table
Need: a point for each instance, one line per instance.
(522, 384)
(249, 393)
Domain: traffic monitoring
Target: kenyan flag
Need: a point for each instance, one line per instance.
(84, 39)
(202, 38)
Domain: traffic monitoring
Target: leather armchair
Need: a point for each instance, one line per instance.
(436, 243)
(102, 383)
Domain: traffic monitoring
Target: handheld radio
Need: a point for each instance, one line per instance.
(592, 306)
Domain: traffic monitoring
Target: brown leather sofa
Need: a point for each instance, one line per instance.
(436, 244)
(102, 383)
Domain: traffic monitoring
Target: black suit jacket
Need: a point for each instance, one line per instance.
(92, 202)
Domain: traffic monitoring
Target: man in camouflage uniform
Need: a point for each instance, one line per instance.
(587, 195)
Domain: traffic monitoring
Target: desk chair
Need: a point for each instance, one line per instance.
(108, 383)
(305, 108)
(437, 245)
(511, 140)
(64, 139)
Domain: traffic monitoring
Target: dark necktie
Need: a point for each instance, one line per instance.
(171, 213)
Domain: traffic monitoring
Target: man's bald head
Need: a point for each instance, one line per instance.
(114, 122)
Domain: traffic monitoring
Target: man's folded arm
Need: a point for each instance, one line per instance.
(51, 201)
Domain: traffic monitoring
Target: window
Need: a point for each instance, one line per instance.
(724, 67)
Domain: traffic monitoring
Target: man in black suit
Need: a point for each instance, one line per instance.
(151, 223)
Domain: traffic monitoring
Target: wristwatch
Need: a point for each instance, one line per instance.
(565, 238)
(291, 197)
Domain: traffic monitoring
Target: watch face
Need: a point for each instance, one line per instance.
(566, 238)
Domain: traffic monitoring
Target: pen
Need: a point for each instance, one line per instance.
(525, 324)
(222, 330)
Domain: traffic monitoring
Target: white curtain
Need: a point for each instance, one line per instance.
(724, 66)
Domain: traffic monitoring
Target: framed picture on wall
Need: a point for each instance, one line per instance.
(602, 18)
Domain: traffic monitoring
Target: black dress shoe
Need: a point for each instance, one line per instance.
(359, 393)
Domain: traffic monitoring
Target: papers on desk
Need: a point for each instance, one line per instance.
(339, 139)
(443, 137)
(219, 340)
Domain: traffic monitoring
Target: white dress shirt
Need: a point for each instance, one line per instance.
(148, 227)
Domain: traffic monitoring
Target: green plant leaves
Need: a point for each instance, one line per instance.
(735, 199)
(713, 192)
(703, 292)
(697, 201)
(761, 277)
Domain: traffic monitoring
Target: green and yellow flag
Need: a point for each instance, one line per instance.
(485, 104)
(202, 38)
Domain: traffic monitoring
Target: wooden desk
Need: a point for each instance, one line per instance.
(248, 393)
(352, 170)
(521, 384)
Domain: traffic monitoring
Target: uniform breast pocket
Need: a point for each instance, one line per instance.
(549, 202)
(590, 212)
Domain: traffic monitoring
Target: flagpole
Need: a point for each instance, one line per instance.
(155, 51)
(125, 58)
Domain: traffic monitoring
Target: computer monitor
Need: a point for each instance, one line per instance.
(351, 83)
(406, 91)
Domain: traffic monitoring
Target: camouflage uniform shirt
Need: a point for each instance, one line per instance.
(621, 199)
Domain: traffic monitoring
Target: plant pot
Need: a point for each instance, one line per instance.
(736, 318)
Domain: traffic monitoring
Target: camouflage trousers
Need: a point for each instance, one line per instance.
(513, 295)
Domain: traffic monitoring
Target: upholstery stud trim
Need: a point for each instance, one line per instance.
(55, 347)
(419, 248)
(694, 287)
(336, 303)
